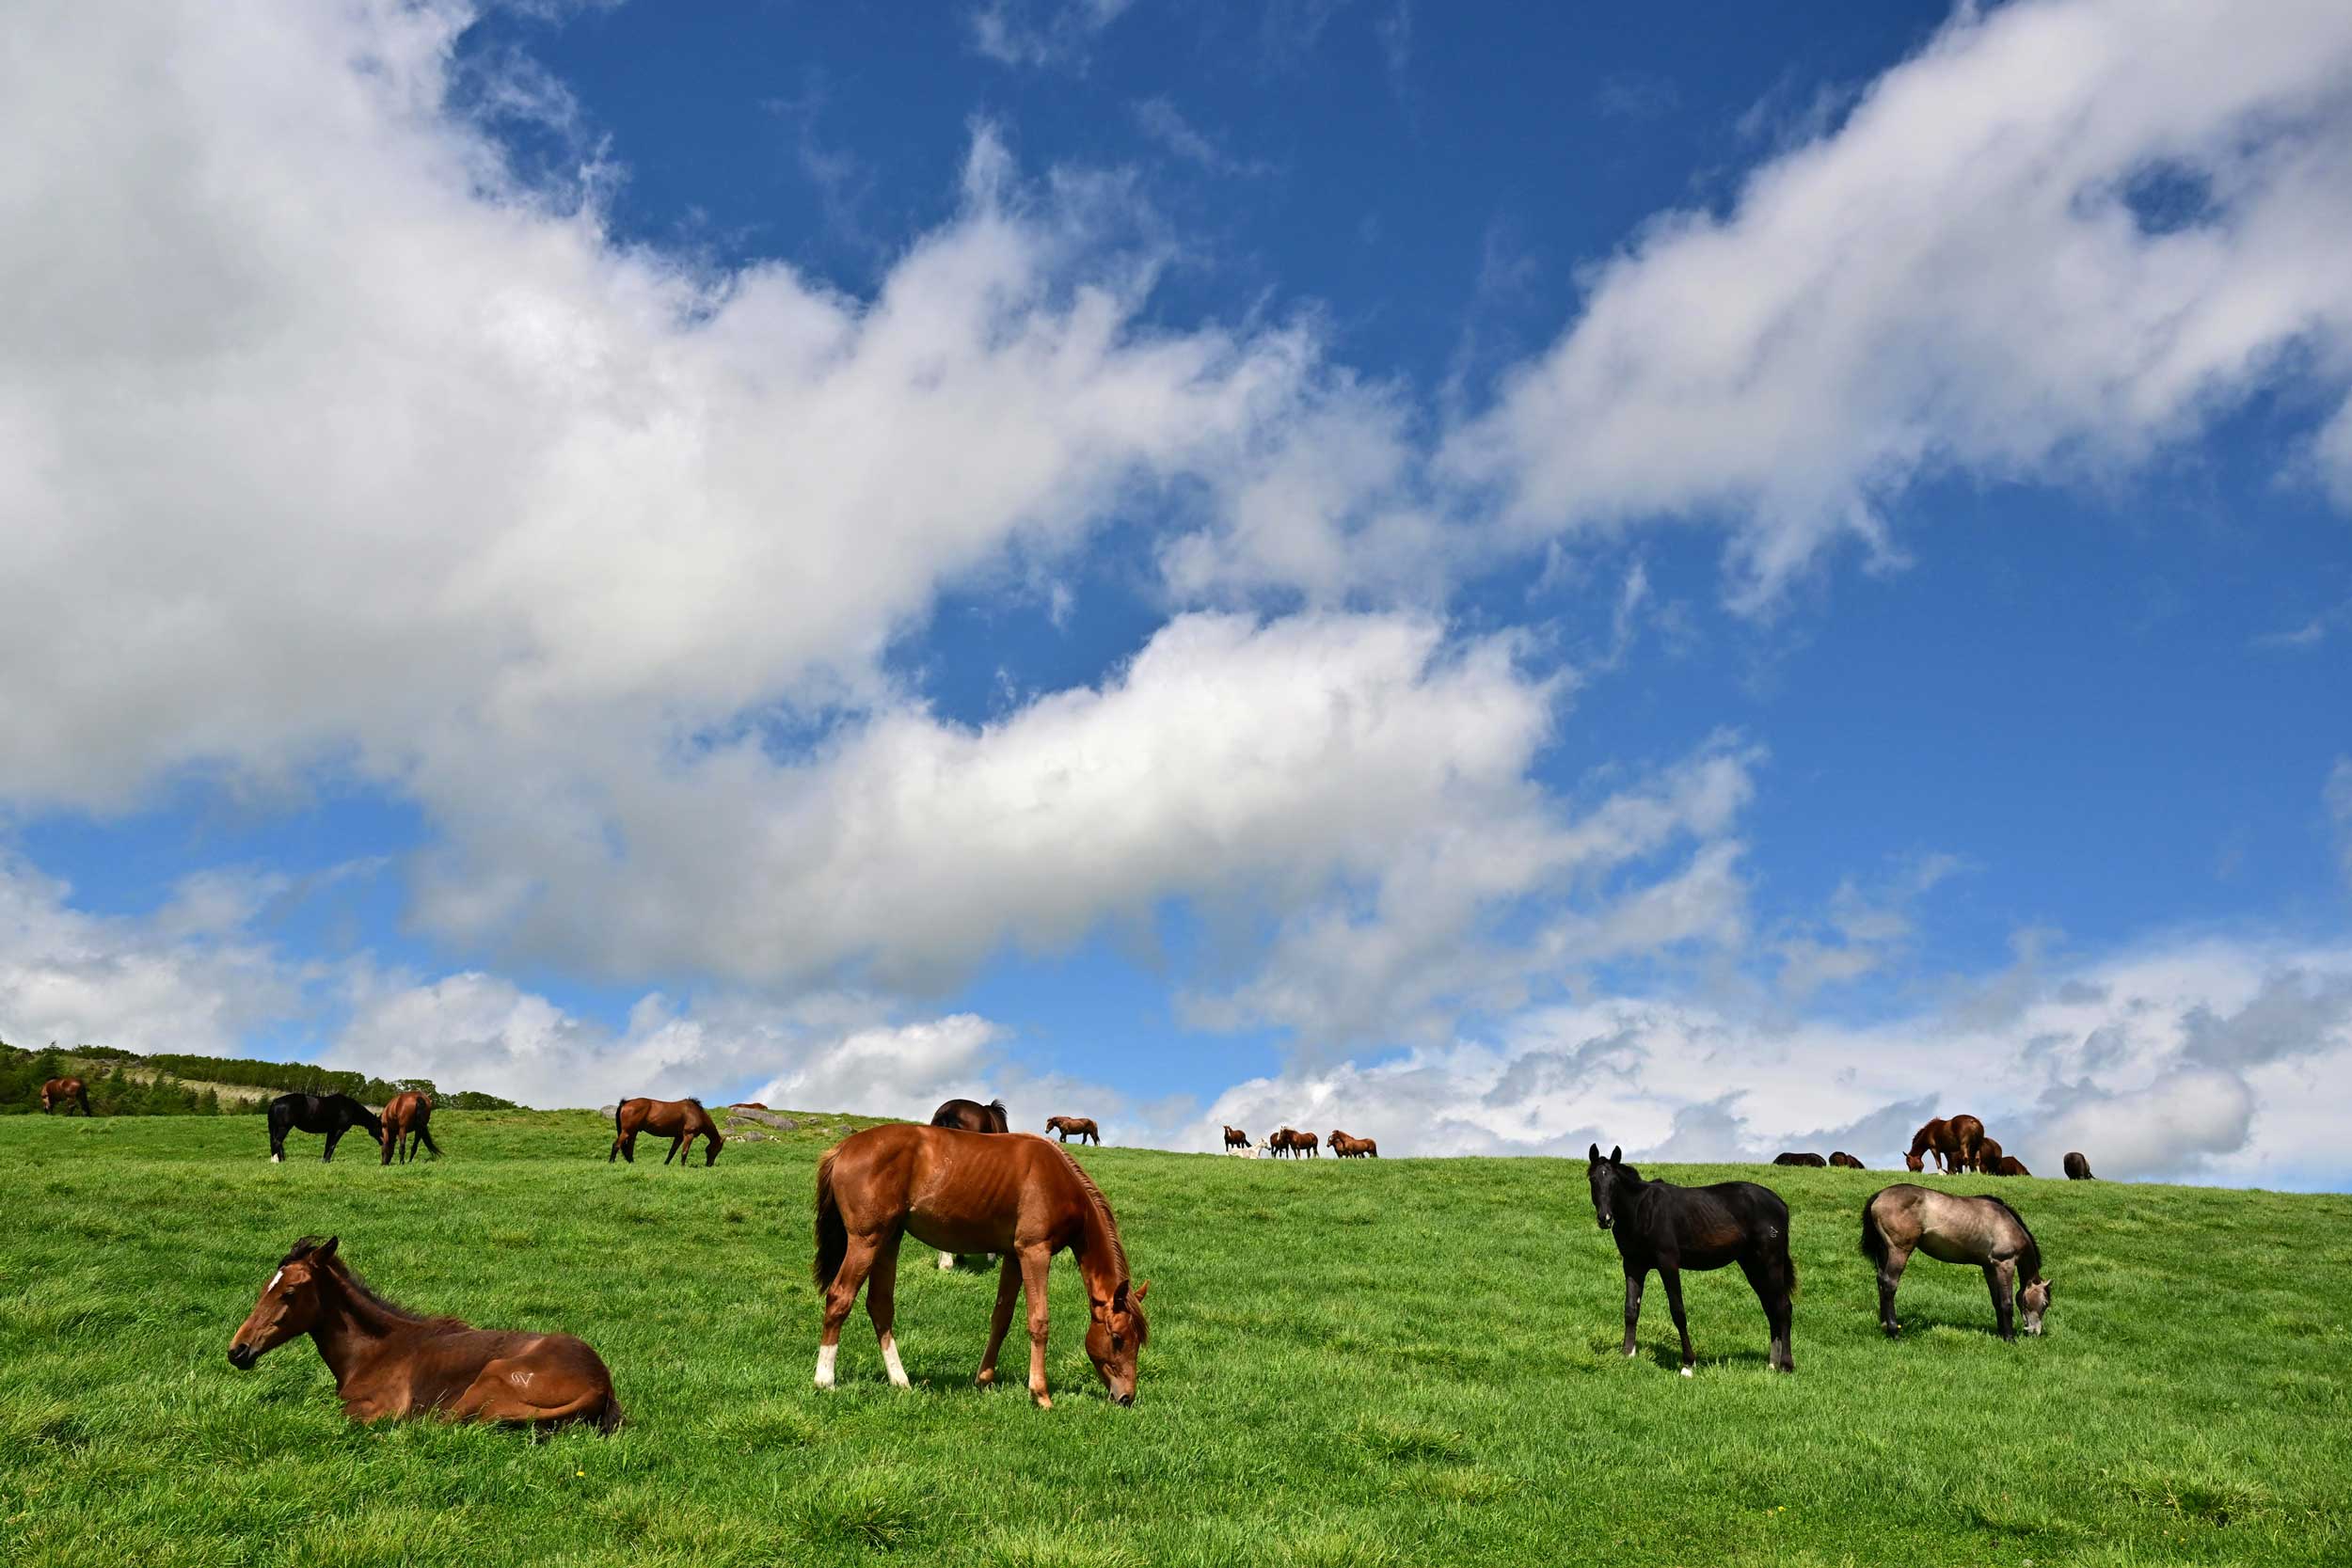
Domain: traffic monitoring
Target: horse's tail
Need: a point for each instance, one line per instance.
(833, 1237)
(611, 1420)
(1873, 1239)
(424, 1129)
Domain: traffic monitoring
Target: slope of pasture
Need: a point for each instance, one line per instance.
(1396, 1362)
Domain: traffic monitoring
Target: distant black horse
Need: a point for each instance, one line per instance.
(1813, 1159)
(973, 1117)
(331, 1114)
(1662, 1227)
(2077, 1168)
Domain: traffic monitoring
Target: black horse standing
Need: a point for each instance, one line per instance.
(331, 1114)
(1662, 1227)
(970, 1115)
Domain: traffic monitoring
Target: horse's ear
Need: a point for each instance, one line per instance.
(1134, 1297)
(1616, 1154)
(325, 1249)
(1592, 1154)
(1119, 1297)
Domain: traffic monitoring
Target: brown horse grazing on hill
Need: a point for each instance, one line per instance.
(961, 1191)
(405, 1123)
(1306, 1145)
(1236, 1138)
(1988, 1157)
(1843, 1161)
(681, 1121)
(1954, 1229)
(1662, 1227)
(973, 1117)
(1953, 1143)
(1928, 1140)
(2008, 1165)
(2077, 1168)
(1348, 1147)
(1067, 1128)
(389, 1361)
(65, 1091)
(1814, 1160)
(1280, 1142)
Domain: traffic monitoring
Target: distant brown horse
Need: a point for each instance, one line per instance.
(1281, 1142)
(1236, 1138)
(406, 1119)
(963, 1192)
(1988, 1158)
(2008, 1165)
(681, 1121)
(1953, 1143)
(1068, 1128)
(389, 1361)
(1954, 1229)
(2077, 1168)
(970, 1115)
(1306, 1144)
(65, 1091)
(1348, 1147)
(1843, 1161)
(1813, 1159)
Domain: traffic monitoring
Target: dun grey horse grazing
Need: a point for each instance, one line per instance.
(1953, 1230)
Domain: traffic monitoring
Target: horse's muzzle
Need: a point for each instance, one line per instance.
(1122, 1400)
(1606, 1223)
(241, 1356)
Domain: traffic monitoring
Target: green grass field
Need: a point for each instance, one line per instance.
(1404, 1362)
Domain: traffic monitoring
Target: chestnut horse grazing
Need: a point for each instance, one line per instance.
(2008, 1165)
(1236, 1138)
(681, 1121)
(1988, 1157)
(1813, 1159)
(1354, 1148)
(1662, 1227)
(1953, 1143)
(331, 1114)
(1067, 1128)
(2077, 1168)
(389, 1361)
(64, 1091)
(1954, 1229)
(963, 1191)
(972, 1116)
(1843, 1161)
(404, 1120)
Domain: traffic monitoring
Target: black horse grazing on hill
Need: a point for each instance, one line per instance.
(331, 1114)
(973, 1117)
(1813, 1159)
(2077, 1168)
(1662, 1227)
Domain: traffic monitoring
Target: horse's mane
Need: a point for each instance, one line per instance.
(692, 1100)
(1101, 1208)
(349, 1279)
(2028, 1261)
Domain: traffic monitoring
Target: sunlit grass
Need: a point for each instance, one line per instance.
(1351, 1362)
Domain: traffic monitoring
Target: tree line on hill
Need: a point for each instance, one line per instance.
(124, 1084)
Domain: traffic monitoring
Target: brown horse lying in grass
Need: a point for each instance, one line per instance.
(1348, 1147)
(1843, 1161)
(968, 1192)
(389, 1361)
(1067, 1128)
(1954, 1229)
(65, 1091)
(681, 1121)
(405, 1124)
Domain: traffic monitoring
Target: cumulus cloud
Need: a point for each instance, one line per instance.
(2061, 235)
(1040, 32)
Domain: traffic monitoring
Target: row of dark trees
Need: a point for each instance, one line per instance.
(158, 1088)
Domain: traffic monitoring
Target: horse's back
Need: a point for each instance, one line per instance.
(1715, 1224)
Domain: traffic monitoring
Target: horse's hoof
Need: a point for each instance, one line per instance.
(1044, 1402)
(1687, 1373)
(987, 1378)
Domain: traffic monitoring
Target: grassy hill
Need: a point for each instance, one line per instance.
(1404, 1362)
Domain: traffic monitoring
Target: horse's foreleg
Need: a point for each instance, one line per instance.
(1670, 1275)
(840, 1297)
(2001, 1280)
(1035, 1261)
(1633, 1283)
(1891, 1275)
(675, 1145)
(1008, 1287)
(332, 1139)
(882, 1300)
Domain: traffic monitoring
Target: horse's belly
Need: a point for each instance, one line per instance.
(958, 1233)
(1944, 1249)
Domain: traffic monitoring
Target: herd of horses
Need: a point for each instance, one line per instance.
(1297, 1144)
(965, 1185)
(1956, 1144)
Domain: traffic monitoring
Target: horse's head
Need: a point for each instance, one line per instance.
(1913, 1162)
(1603, 1174)
(1115, 1336)
(712, 1142)
(289, 1305)
(2032, 1302)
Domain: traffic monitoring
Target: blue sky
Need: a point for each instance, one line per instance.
(1709, 580)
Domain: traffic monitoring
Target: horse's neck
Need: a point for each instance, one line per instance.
(351, 1329)
(1097, 1251)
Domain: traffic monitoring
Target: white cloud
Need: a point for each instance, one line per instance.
(1957, 278)
(1042, 32)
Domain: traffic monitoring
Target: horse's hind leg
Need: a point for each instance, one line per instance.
(2001, 1280)
(840, 1297)
(1770, 1278)
(882, 1300)
(1890, 1277)
(1671, 1275)
(1008, 1288)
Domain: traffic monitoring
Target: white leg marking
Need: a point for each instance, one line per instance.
(1686, 1371)
(824, 1365)
(277, 1158)
(890, 1359)
(947, 1260)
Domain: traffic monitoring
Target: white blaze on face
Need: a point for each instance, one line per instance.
(272, 1282)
